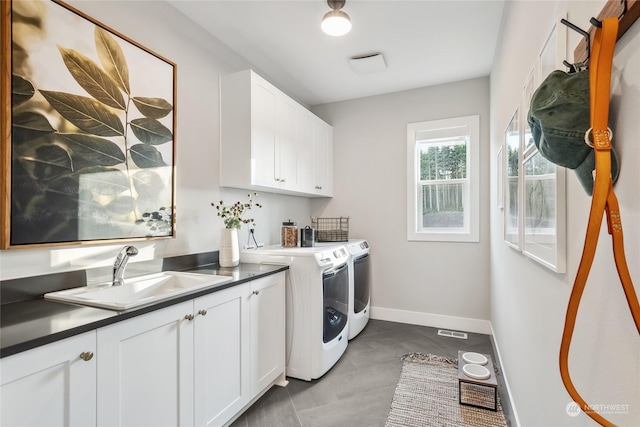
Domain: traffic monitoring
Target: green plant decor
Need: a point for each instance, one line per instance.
(232, 215)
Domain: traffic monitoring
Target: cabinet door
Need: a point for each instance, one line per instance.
(221, 355)
(145, 369)
(306, 161)
(267, 331)
(263, 133)
(50, 385)
(287, 118)
(323, 158)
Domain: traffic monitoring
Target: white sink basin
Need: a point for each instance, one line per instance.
(138, 291)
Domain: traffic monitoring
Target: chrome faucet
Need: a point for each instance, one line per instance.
(121, 263)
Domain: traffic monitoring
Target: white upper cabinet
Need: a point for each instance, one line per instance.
(306, 177)
(267, 139)
(262, 133)
(323, 158)
(315, 162)
(287, 144)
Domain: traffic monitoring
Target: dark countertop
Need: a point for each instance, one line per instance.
(28, 324)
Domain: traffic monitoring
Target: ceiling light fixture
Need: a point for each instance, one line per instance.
(336, 22)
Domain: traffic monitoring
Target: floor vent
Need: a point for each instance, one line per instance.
(452, 334)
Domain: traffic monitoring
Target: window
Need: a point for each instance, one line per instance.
(443, 180)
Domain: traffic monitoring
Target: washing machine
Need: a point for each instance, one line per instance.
(359, 283)
(317, 304)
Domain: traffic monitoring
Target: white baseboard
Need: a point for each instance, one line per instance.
(514, 412)
(434, 320)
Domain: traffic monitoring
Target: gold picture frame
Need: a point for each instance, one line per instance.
(88, 125)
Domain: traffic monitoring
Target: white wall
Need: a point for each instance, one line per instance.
(528, 302)
(431, 283)
(200, 60)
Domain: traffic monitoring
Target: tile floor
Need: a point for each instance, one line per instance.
(358, 390)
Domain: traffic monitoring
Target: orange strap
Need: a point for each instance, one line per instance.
(604, 200)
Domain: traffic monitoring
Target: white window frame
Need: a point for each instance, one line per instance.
(443, 129)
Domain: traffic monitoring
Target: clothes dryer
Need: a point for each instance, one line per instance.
(317, 305)
(360, 286)
(359, 283)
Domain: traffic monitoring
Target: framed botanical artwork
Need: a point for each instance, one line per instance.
(88, 131)
(543, 203)
(554, 49)
(547, 59)
(529, 88)
(512, 144)
(500, 178)
(544, 212)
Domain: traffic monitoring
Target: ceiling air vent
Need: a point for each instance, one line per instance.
(368, 64)
(452, 334)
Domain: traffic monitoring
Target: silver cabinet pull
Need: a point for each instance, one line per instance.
(202, 312)
(189, 317)
(255, 292)
(86, 355)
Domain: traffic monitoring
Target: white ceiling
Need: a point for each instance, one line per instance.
(424, 42)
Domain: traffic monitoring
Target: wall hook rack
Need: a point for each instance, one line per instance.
(581, 64)
(628, 11)
(597, 23)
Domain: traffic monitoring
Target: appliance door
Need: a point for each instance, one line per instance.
(361, 282)
(335, 295)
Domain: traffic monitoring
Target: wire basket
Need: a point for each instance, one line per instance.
(331, 229)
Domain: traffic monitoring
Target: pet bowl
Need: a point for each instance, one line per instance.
(475, 358)
(477, 372)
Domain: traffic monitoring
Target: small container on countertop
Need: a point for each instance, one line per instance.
(289, 234)
(307, 237)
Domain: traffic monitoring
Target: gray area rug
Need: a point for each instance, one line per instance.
(427, 395)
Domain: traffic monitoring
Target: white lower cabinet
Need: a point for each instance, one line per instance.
(221, 355)
(52, 385)
(239, 347)
(196, 363)
(145, 369)
(267, 359)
